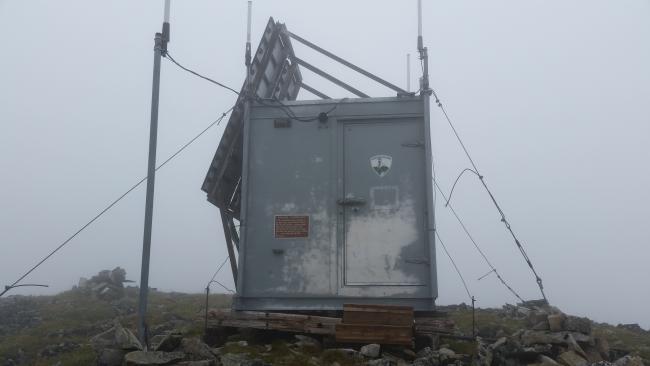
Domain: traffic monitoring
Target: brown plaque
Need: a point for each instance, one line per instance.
(287, 227)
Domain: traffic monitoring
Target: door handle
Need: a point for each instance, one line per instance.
(351, 201)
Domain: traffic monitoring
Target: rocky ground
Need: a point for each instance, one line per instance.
(93, 324)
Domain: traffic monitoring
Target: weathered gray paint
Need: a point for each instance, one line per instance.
(372, 252)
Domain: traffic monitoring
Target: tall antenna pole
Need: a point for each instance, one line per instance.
(160, 49)
(425, 94)
(248, 39)
(247, 96)
(408, 72)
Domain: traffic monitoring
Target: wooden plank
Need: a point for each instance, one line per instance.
(382, 334)
(297, 323)
(434, 325)
(377, 314)
(253, 315)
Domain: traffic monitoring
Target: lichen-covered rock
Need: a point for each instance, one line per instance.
(424, 362)
(629, 361)
(240, 359)
(571, 358)
(196, 350)
(110, 357)
(169, 342)
(117, 337)
(577, 324)
(556, 322)
(371, 350)
(303, 340)
(381, 362)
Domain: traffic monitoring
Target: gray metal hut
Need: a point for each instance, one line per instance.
(332, 197)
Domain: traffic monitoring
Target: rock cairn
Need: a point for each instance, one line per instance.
(106, 285)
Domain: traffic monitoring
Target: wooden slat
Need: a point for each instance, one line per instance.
(382, 334)
(297, 323)
(377, 314)
(434, 325)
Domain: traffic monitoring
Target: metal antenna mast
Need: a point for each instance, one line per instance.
(160, 49)
(408, 72)
(425, 94)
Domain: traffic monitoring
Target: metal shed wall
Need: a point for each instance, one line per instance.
(335, 212)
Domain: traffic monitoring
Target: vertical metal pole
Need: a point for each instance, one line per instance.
(160, 48)
(248, 93)
(408, 72)
(473, 318)
(151, 178)
(207, 304)
(425, 94)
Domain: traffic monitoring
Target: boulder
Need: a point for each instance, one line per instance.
(425, 352)
(574, 346)
(547, 361)
(603, 348)
(240, 359)
(117, 276)
(303, 340)
(446, 352)
(197, 363)
(142, 358)
(116, 338)
(537, 317)
(169, 342)
(381, 362)
(577, 324)
(531, 337)
(629, 361)
(570, 358)
(543, 325)
(424, 362)
(556, 322)
(371, 350)
(196, 350)
(592, 353)
(110, 357)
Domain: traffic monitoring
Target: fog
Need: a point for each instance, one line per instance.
(550, 97)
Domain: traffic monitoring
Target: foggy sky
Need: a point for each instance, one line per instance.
(551, 98)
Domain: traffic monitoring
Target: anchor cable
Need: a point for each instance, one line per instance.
(168, 56)
(102, 212)
(455, 266)
(538, 279)
(478, 248)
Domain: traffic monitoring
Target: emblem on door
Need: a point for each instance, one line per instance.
(381, 164)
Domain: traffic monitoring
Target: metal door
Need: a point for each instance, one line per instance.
(384, 203)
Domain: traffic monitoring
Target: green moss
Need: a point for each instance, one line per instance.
(628, 340)
(464, 347)
(487, 322)
(81, 357)
(332, 355)
(80, 315)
